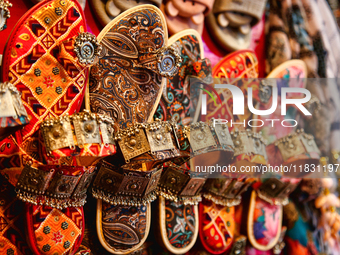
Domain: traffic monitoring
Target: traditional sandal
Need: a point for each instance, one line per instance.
(217, 215)
(237, 69)
(181, 98)
(269, 195)
(291, 73)
(131, 185)
(178, 220)
(118, 212)
(131, 73)
(223, 194)
(47, 190)
(48, 45)
(126, 189)
(181, 15)
(179, 187)
(54, 198)
(264, 214)
(179, 193)
(230, 22)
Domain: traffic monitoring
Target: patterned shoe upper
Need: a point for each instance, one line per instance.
(177, 103)
(237, 69)
(46, 59)
(217, 226)
(127, 81)
(177, 209)
(40, 60)
(178, 225)
(52, 231)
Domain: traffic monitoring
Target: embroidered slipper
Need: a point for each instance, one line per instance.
(178, 221)
(179, 225)
(239, 69)
(123, 229)
(43, 59)
(269, 195)
(60, 232)
(179, 188)
(290, 149)
(291, 73)
(181, 15)
(177, 211)
(46, 60)
(230, 22)
(181, 97)
(126, 85)
(13, 115)
(219, 228)
(218, 232)
(12, 235)
(54, 197)
(223, 194)
(43, 50)
(123, 206)
(107, 10)
(130, 185)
